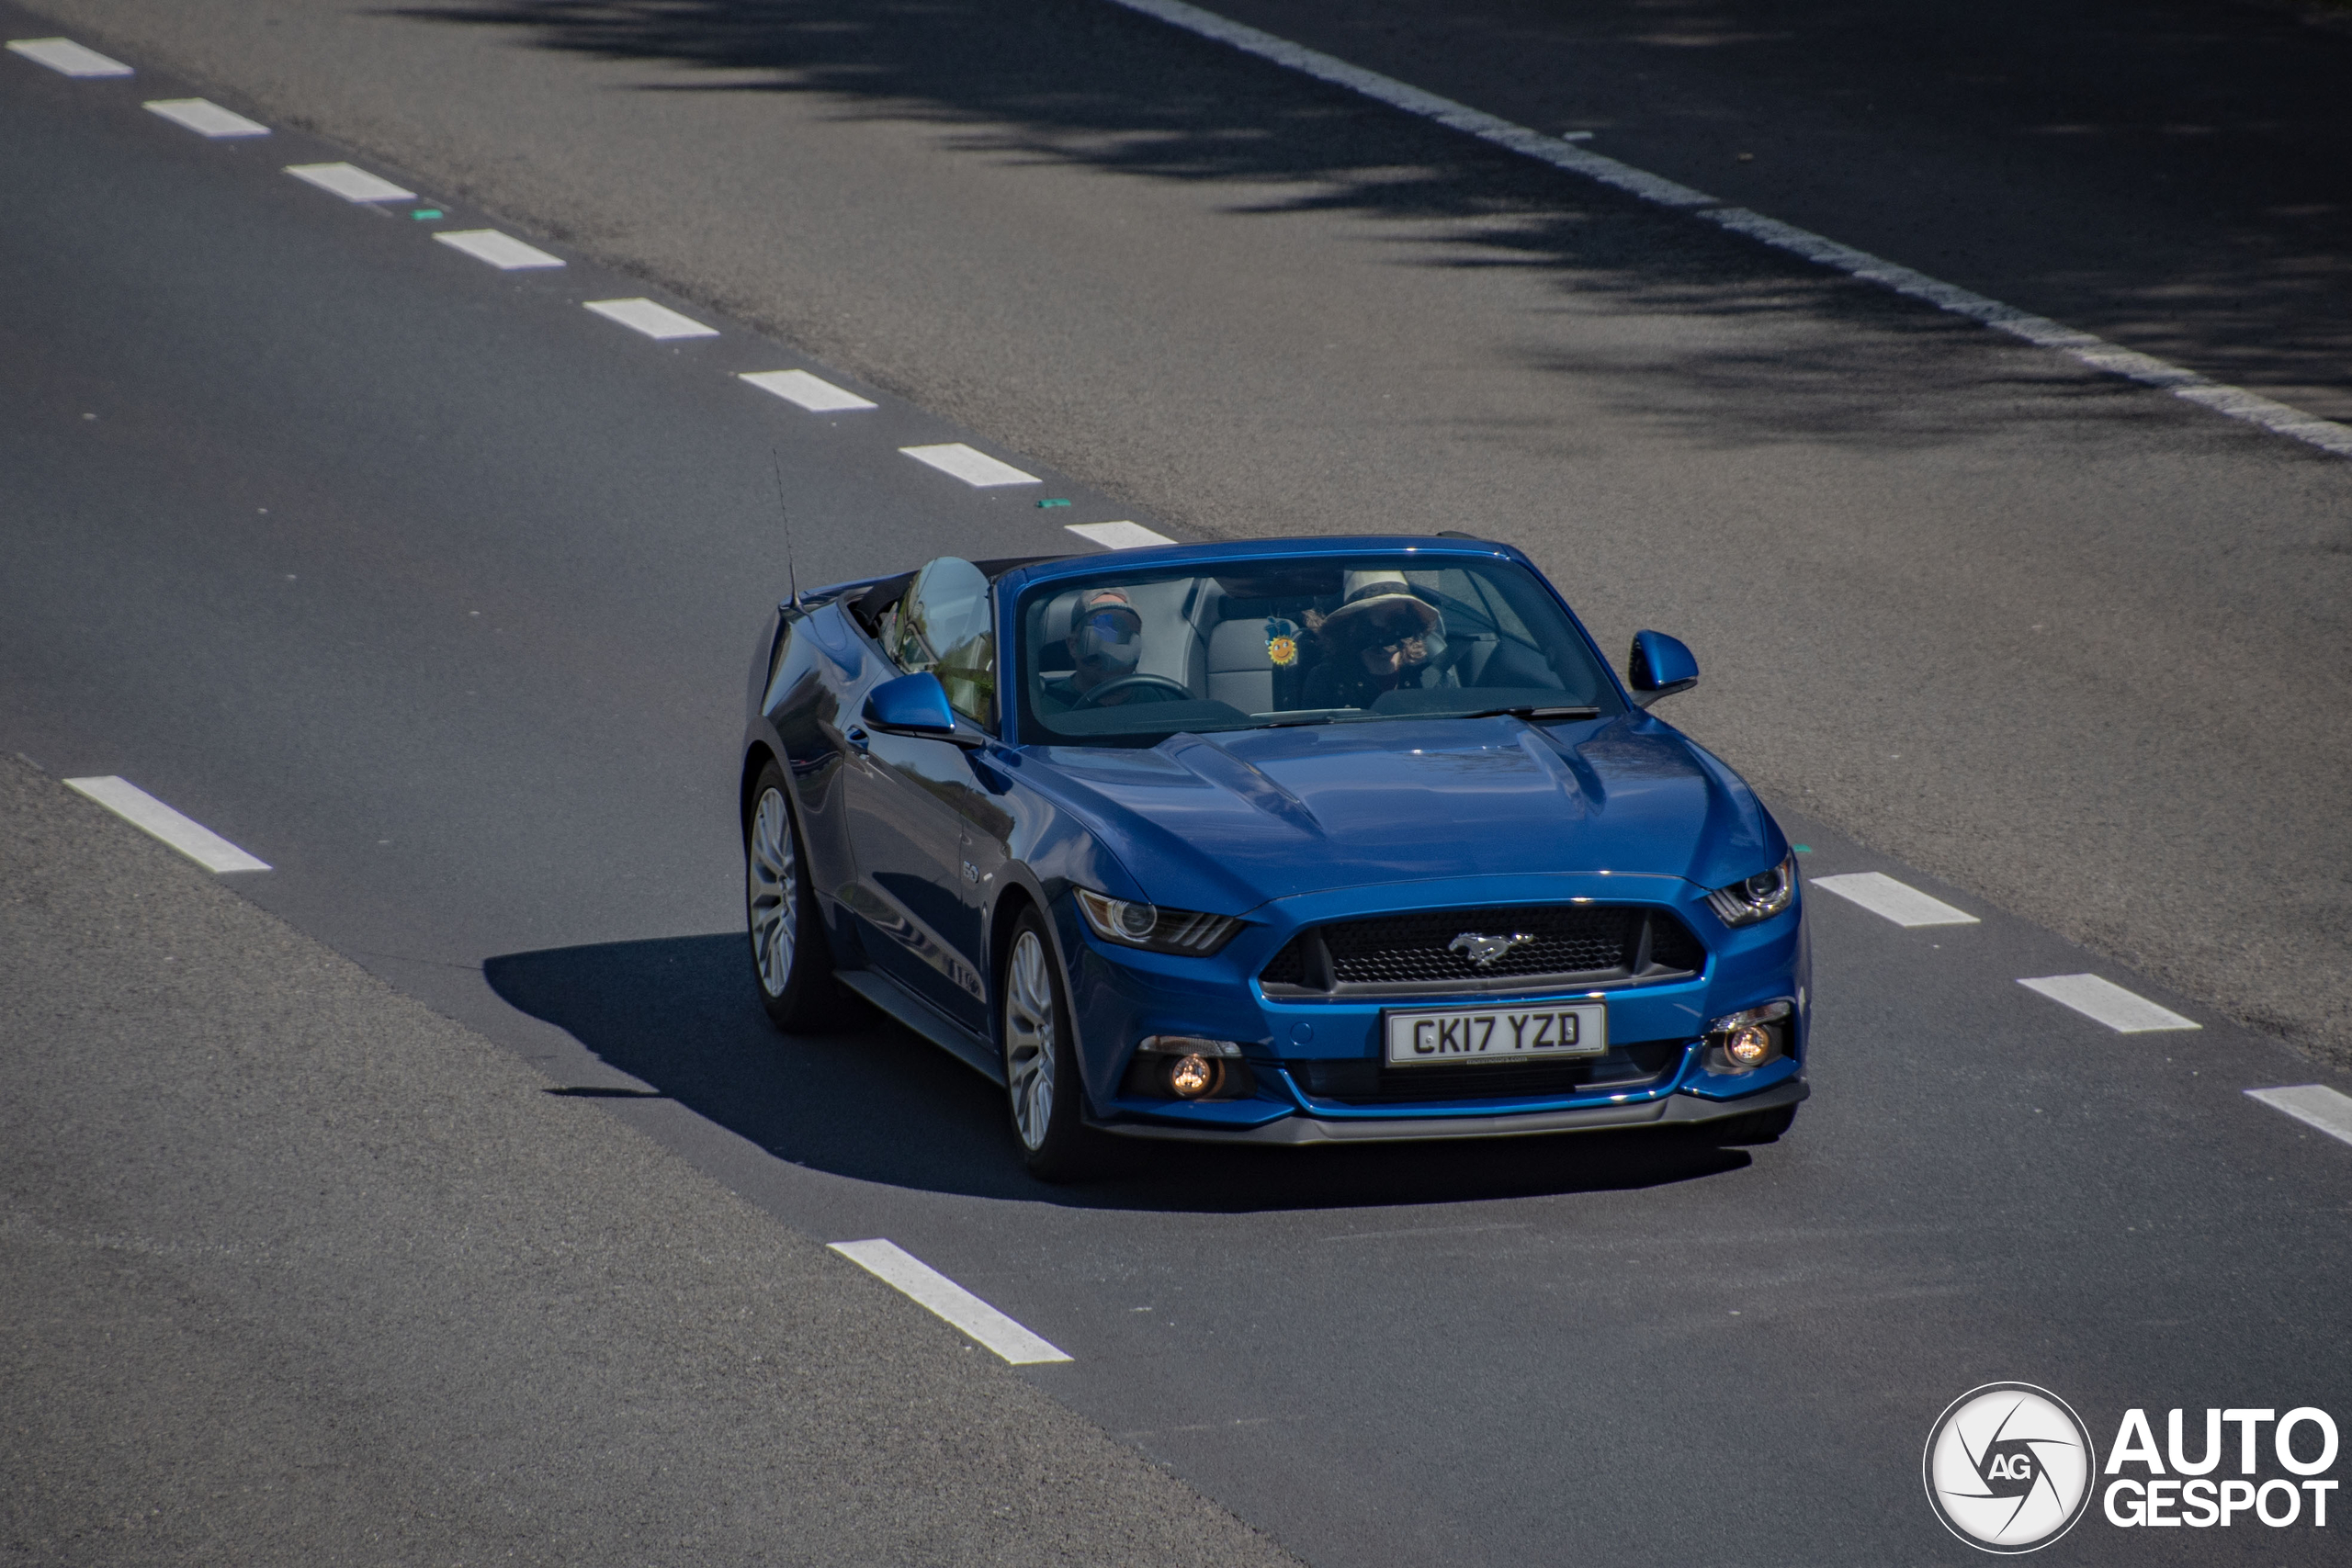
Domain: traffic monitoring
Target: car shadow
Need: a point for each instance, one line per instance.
(875, 1103)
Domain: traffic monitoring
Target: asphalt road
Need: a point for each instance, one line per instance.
(434, 589)
(2169, 174)
(293, 1270)
(2075, 644)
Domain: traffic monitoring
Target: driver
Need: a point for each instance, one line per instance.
(1105, 644)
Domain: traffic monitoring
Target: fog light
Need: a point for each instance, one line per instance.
(1747, 1046)
(1192, 1077)
(1741, 1041)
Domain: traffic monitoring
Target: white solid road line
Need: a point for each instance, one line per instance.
(2040, 331)
(2313, 1103)
(1893, 900)
(655, 320)
(206, 118)
(2109, 1003)
(976, 468)
(928, 1287)
(503, 251)
(1119, 535)
(1323, 67)
(2094, 352)
(65, 56)
(811, 392)
(350, 182)
(136, 807)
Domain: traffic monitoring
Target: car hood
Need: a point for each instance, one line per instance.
(1228, 821)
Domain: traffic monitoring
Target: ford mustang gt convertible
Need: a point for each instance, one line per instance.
(1287, 842)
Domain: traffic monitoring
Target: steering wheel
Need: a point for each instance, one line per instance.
(1169, 691)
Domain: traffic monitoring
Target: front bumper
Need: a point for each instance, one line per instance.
(1120, 995)
(1668, 1109)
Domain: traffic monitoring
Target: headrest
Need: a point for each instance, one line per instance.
(1060, 611)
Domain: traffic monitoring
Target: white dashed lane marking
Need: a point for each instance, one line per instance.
(655, 320)
(975, 469)
(206, 118)
(1893, 900)
(1118, 535)
(2109, 1003)
(142, 810)
(503, 251)
(811, 392)
(928, 1287)
(2313, 1104)
(65, 56)
(2081, 346)
(350, 182)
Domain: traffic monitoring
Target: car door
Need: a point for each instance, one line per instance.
(908, 797)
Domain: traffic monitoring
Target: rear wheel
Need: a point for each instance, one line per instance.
(790, 958)
(1040, 1057)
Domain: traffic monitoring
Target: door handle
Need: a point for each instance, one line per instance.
(859, 741)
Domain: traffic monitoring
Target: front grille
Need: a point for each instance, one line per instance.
(1568, 944)
(1638, 1065)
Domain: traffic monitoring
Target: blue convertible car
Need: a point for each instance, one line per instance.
(1281, 843)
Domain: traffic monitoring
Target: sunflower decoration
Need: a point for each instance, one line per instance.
(1282, 643)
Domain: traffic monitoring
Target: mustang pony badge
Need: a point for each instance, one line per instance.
(1282, 643)
(1483, 949)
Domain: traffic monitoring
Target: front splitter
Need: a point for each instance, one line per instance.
(1303, 1129)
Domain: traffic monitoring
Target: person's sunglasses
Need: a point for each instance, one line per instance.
(1112, 625)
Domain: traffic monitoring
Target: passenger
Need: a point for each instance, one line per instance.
(1105, 644)
(1382, 637)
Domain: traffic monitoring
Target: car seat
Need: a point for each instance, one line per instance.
(1240, 671)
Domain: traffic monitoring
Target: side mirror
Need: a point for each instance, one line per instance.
(916, 705)
(1658, 667)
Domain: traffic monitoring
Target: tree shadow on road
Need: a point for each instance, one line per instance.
(1089, 83)
(878, 1104)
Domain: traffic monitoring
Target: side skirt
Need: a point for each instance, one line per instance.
(926, 1020)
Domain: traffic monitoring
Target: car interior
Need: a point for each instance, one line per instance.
(1216, 637)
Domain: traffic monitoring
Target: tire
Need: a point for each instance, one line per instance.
(792, 964)
(1042, 1085)
(1756, 1127)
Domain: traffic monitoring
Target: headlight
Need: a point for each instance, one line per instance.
(1758, 897)
(1132, 923)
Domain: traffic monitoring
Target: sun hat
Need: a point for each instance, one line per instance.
(1371, 592)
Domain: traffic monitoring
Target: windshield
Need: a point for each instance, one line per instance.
(1131, 659)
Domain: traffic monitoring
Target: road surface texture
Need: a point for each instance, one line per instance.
(2081, 647)
(434, 591)
(295, 1270)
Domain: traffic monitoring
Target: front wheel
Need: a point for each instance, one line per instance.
(790, 958)
(1041, 1057)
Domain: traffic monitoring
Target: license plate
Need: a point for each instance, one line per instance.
(1459, 1035)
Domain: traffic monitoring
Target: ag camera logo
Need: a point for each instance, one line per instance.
(2009, 1467)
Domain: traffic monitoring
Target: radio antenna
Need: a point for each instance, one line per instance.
(792, 570)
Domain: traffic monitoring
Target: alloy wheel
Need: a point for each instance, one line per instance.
(1029, 1038)
(773, 892)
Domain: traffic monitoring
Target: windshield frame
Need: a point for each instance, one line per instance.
(1019, 589)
